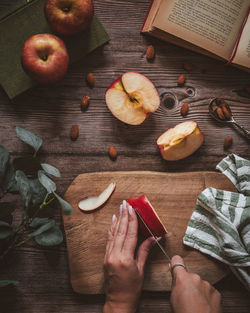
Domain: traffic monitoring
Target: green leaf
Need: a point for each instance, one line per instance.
(9, 182)
(38, 221)
(4, 159)
(67, 208)
(47, 183)
(51, 237)
(6, 209)
(51, 223)
(5, 230)
(24, 187)
(28, 137)
(51, 170)
(37, 190)
(4, 283)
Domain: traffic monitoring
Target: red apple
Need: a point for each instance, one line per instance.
(45, 58)
(68, 17)
(132, 98)
(149, 215)
(181, 141)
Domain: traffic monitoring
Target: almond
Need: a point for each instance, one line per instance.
(184, 109)
(220, 114)
(181, 79)
(74, 133)
(85, 102)
(188, 67)
(90, 79)
(228, 142)
(112, 152)
(150, 53)
(225, 111)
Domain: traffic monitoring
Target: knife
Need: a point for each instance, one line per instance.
(159, 245)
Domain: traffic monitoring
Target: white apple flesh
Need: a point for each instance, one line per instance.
(45, 58)
(68, 17)
(181, 141)
(132, 98)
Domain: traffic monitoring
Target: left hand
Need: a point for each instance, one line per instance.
(123, 271)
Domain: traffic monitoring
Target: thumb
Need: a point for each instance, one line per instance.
(143, 252)
(179, 271)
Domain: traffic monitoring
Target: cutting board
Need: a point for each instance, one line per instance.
(173, 195)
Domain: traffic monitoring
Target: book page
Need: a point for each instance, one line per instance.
(212, 25)
(242, 56)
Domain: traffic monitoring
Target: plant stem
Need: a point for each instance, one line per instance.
(22, 242)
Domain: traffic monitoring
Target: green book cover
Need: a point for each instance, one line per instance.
(24, 19)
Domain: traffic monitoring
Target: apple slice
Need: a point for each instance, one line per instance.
(132, 98)
(181, 141)
(92, 203)
(149, 215)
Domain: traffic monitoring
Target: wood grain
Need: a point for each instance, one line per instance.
(51, 111)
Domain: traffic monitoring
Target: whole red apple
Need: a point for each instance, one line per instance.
(45, 58)
(68, 17)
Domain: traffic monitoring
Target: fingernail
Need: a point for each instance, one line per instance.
(130, 210)
(121, 209)
(114, 218)
(124, 204)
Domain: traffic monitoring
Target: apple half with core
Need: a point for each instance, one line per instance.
(45, 58)
(132, 98)
(68, 17)
(180, 141)
(149, 215)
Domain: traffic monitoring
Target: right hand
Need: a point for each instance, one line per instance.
(191, 294)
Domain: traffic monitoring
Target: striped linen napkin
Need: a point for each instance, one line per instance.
(220, 223)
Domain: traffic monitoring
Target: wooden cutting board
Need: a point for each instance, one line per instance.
(173, 195)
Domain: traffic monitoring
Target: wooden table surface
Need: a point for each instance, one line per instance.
(50, 112)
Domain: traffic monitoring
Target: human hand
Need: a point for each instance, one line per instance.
(123, 271)
(191, 294)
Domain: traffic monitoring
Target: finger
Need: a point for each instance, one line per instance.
(121, 231)
(111, 233)
(143, 252)
(131, 238)
(177, 271)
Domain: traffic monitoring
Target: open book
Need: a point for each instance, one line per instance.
(217, 28)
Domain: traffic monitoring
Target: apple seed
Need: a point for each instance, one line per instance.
(85, 103)
(90, 79)
(181, 80)
(74, 133)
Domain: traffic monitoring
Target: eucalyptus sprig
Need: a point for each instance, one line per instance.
(33, 181)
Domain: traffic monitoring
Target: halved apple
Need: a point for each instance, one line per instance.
(132, 98)
(179, 142)
(149, 215)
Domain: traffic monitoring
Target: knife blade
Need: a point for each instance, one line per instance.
(159, 245)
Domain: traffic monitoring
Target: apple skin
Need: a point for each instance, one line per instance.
(68, 17)
(45, 58)
(188, 146)
(147, 212)
(117, 84)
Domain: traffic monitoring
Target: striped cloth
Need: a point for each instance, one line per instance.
(220, 223)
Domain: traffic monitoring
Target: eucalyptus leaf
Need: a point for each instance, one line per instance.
(38, 221)
(51, 170)
(67, 208)
(43, 228)
(47, 183)
(6, 208)
(4, 283)
(51, 237)
(28, 137)
(24, 187)
(9, 182)
(4, 159)
(5, 230)
(37, 190)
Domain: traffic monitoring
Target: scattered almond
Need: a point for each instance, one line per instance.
(228, 142)
(181, 79)
(188, 67)
(74, 133)
(112, 152)
(150, 53)
(225, 111)
(220, 114)
(184, 109)
(85, 102)
(90, 79)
